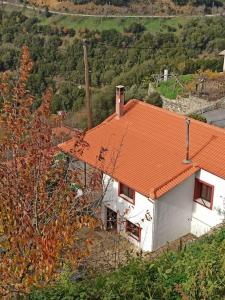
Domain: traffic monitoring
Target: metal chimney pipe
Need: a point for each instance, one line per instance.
(187, 158)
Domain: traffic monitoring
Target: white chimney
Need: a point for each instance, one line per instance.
(165, 75)
(120, 95)
(223, 54)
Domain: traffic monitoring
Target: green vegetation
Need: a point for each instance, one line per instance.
(102, 2)
(198, 117)
(196, 272)
(154, 99)
(207, 3)
(120, 24)
(128, 53)
(171, 88)
(100, 23)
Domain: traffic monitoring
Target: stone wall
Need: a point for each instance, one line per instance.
(216, 105)
(192, 105)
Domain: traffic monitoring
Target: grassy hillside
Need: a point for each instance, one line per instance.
(196, 272)
(101, 24)
(120, 24)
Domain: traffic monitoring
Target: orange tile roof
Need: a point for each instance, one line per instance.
(145, 148)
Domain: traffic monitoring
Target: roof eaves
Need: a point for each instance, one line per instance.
(174, 181)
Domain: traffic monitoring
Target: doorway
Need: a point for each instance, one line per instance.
(111, 220)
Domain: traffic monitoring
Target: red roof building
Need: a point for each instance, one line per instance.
(143, 147)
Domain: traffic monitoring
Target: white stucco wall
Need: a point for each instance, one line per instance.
(173, 213)
(203, 219)
(127, 211)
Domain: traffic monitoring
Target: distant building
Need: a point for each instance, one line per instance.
(153, 194)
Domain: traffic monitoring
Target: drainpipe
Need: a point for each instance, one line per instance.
(154, 219)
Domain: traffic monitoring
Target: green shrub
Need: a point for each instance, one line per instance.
(154, 99)
(135, 28)
(198, 117)
(170, 89)
(195, 272)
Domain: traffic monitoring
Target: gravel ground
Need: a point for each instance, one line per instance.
(216, 117)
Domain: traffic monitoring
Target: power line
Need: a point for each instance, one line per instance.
(87, 86)
(138, 48)
(125, 47)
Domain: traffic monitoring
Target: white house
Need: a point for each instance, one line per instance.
(163, 177)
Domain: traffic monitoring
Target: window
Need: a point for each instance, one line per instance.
(203, 193)
(126, 193)
(133, 230)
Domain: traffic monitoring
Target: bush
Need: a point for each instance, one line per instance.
(103, 2)
(195, 272)
(154, 99)
(198, 117)
(135, 28)
(47, 12)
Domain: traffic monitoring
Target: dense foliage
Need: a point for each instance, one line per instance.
(207, 3)
(196, 272)
(102, 2)
(154, 99)
(41, 209)
(129, 58)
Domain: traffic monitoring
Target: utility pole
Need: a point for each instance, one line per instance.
(87, 86)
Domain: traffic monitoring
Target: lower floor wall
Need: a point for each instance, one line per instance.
(113, 220)
(118, 224)
(166, 219)
(173, 214)
(203, 218)
(198, 227)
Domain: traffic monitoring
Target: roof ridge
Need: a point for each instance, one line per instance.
(172, 113)
(161, 109)
(164, 130)
(127, 106)
(154, 190)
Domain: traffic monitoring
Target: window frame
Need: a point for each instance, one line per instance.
(137, 238)
(125, 197)
(198, 192)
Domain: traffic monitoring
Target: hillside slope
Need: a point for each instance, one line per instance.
(194, 273)
(120, 51)
(138, 7)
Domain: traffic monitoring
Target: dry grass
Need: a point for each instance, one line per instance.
(212, 88)
(110, 250)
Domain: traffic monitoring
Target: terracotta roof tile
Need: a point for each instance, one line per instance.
(145, 148)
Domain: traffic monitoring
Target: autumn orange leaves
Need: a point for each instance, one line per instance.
(39, 212)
